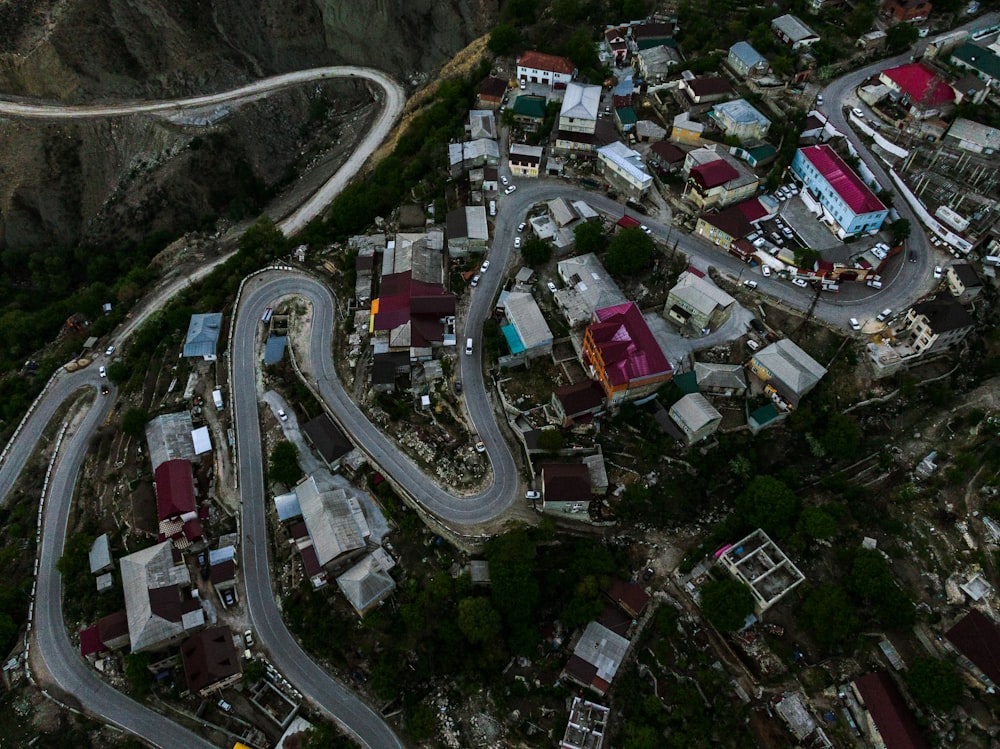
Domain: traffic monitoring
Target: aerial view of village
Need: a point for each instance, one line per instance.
(584, 374)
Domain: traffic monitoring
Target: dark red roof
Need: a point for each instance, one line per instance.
(709, 85)
(401, 299)
(566, 482)
(614, 619)
(921, 84)
(222, 572)
(492, 88)
(542, 61)
(192, 530)
(174, 488)
(579, 398)
(90, 642)
(714, 173)
(668, 152)
(298, 530)
(113, 626)
(977, 638)
(842, 178)
(752, 209)
(627, 222)
(889, 712)
(210, 656)
(629, 596)
(310, 561)
(627, 345)
(729, 220)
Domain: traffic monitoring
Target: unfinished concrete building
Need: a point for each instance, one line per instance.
(763, 567)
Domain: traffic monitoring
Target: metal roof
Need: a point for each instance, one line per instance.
(335, 521)
(523, 313)
(842, 179)
(694, 411)
(791, 365)
(627, 160)
(365, 584)
(203, 334)
(156, 612)
(742, 112)
(746, 54)
(581, 102)
(701, 295)
(202, 440)
(287, 506)
(100, 554)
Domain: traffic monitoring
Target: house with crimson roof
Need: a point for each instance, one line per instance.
(716, 179)
(849, 205)
(175, 503)
(919, 90)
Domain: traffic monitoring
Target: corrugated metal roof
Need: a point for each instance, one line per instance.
(842, 179)
(203, 334)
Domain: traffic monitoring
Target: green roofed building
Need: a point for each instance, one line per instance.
(687, 383)
(529, 108)
(764, 417)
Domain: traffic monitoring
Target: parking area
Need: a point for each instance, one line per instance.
(812, 231)
(678, 349)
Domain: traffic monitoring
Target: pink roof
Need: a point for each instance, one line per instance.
(627, 346)
(174, 488)
(401, 299)
(842, 178)
(714, 173)
(921, 84)
(752, 209)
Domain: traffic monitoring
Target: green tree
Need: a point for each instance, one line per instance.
(635, 8)
(900, 230)
(860, 20)
(935, 683)
(768, 503)
(900, 36)
(726, 603)
(134, 422)
(829, 616)
(119, 372)
(551, 440)
(503, 39)
(871, 580)
(421, 721)
(478, 620)
(263, 241)
(140, 678)
(629, 252)
(842, 436)
(253, 672)
(284, 468)
(815, 522)
(523, 10)
(590, 237)
(536, 251)
(514, 586)
(580, 48)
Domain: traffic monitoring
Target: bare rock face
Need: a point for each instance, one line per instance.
(92, 181)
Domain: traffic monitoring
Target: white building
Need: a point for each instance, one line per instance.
(624, 168)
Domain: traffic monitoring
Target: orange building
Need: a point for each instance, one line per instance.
(621, 353)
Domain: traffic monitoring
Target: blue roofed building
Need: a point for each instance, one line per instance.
(527, 333)
(739, 119)
(847, 201)
(274, 349)
(746, 61)
(203, 336)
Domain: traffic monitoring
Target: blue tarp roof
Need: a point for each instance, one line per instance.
(274, 349)
(513, 339)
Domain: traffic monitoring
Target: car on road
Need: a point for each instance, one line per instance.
(646, 229)
(750, 284)
(109, 350)
(875, 283)
(800, 282)
(103, 371)
(105, 390)
(552, 287)
(858, 113)
(819, 100)
(937, 271)
(853, 322)
(766, 270)
(521, 227)
(913, 256)
(485, 266)
(458, 386)
(248, 638)
(884, 314)
(480, 447)
(510, 189)
(503, 180)
(532, 495)
(475, 281)
(282, 415)
(517, 243)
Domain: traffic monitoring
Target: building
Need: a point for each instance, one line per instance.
(467, 230)
(566, 487)
(686, 130)
(716, 178)
(621, 353)
(696, 417)
(791, 31)
(918, 89)
(970, 90)
(100, 555)
(726, 227)
(624, 169)
(727, 380)
(366, 584)
(327, 440)
(527, 333)
(491, 92)
(706, 89)
(982, 62)
(168, 437)
(581, 106)
(616, 37)
(760, 565)
(586, 725)
(696, 302)
(158, 603)
(847, 201)
(755, 154)
(203, 336)
(525, 161)
(596, 658)
(890, 723)
(211, 661)
(934, 325)
(738, 119)
(538, 67)
(175, 503)
(578, 403)
(588, 288)
(977, 641)
(871, 41)
(788, 372)
(669, 157)
(529, 111)
(482, 124)
(335, 521)
(471, 154)
(649, 34)
(657, 63)
(963, 282)
(907, 10)
(625, 119)
(746, 62)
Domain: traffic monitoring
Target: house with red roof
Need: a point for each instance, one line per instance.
(976, 639)
(890, 722)
(538, 67)
(918, 89)
(175, 503)
(907, 10)
(621, 353)
(849, 205)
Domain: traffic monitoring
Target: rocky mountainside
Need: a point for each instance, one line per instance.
(86, 181)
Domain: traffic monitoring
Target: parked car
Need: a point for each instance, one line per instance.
(480, 447)
(517, 243)
(758, 326)
(458, 386)
(475, 281)
(884, 315)
(282, 415)
(485, 266)
(248, 638)
(225, 706)
(109, 350)
(532, 495)
(855, 325)
(858, 113)
(510, 189)
(766, 270)
(752, 344)
(228, 599)
(648, 574)
(819, 100)
(750, 283)
(103, 372)
(800, 282)
(521, 227)
(503, 180)
(875, 283)
(645, 228)
(552, 287)
(937, 271)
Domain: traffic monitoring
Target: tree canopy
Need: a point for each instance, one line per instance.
(134, 422)
(630, 251)
(871, 581)
(900, 36)
(935, 683)
(726, 603)
(829, 615)
(284, 463)
(590, 237)
(768, 503)
(503, 39)
(536, 251)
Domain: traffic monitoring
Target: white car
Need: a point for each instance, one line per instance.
(552, 287)
(645, 228)
(480, 447)
(819, 100)
(521, 227)
(858, 113)
(248, 638)
(510, 189)
(282, 415)
(800, 282)
(766, 270)
(750, 284)
(475, 281)
(884, 315)
(485, 266)
(937, 271)
(109, 350)
(532, 495)
(517, 243)
(103, 372)
(503, 180)
(855, 325)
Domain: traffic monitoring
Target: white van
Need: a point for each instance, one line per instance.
(493, 208)
(468, 346)
(875, 284)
